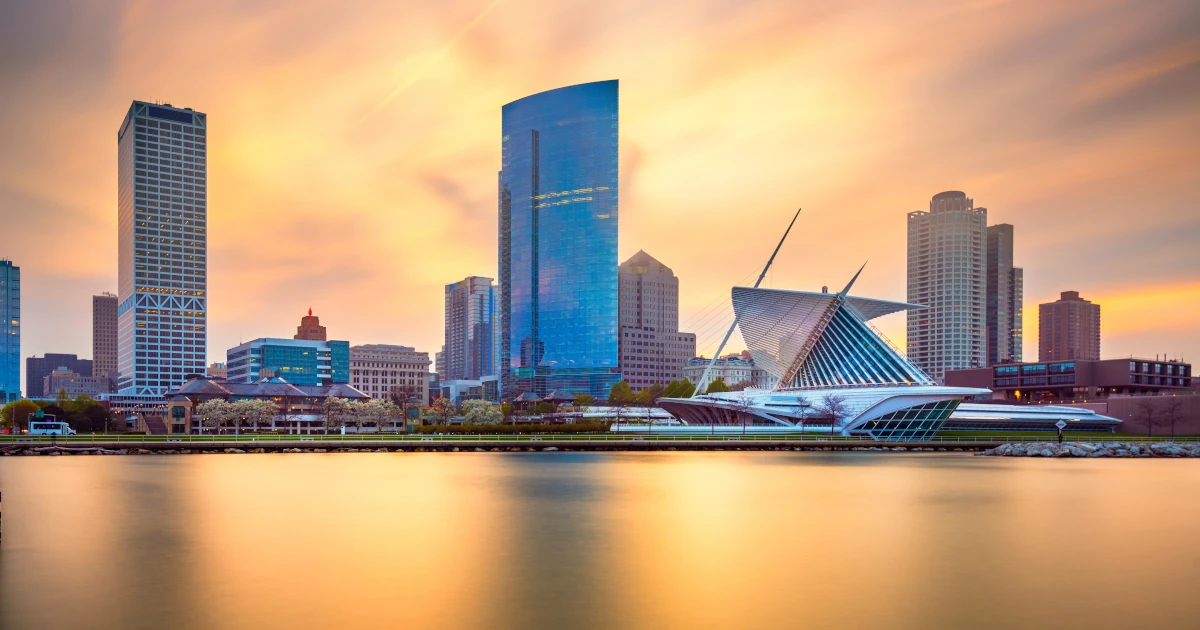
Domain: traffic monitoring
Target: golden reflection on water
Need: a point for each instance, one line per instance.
(667, 540)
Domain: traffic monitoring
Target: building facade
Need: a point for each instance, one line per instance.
(487, 388)
(652, 350)
(1069, 328)
(38, 368)
(1005, 288)
(310, 328)
(63, 379)
(469, 353)
(1079, 380)
(947, 267)
(104, 338)
(558, 242)
(217, 371)
(162, 223)
(731, 368)
(299, 408)
(10, 331)
(297, 361)
(385, 371)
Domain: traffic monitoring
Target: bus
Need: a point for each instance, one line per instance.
(38, 427)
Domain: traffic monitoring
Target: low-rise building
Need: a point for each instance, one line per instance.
(1066, 381)
(386, 371)
(73, 383)
(300, 407)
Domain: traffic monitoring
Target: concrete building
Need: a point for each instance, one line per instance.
(297, 361)
(38, 368)
(1005, 288)
(558, 208)
(386, 371)
(652, 350)
(217, 371)
(10, 331)
(310, 328)
(732, 368)
(104, 338)
(1069, 328)
(469, 352)
(1076, 381)
(487, 388)
(947, 273)
(62, 378)
(162, 224)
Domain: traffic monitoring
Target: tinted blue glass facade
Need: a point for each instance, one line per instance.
(10, 332)
(297, 361)
(558, 241)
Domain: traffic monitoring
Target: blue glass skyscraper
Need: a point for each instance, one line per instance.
(10, 331)
(558, 242)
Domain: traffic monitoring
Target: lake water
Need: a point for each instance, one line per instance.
(598, 540)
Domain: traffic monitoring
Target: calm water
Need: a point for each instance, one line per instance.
(671, 540)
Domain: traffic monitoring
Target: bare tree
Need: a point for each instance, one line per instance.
(743, 407)
(805, 409)
(1146, 409)
(1173, 413)
(834, 408)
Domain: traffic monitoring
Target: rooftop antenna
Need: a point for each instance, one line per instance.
(736, 317)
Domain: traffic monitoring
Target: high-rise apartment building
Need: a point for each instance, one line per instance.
(470, 322)
(38, 368)
(1004, 297)
(104, 338)
(10, 331)
(652, 349)
(558, 242)
(1069, 329)
(947, 272)
(310, 328)
(162, 213)
(385, 371)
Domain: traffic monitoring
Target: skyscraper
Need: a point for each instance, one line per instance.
(1069, 329)
(652, 349)
(558, 241)
(104, 337)
(10, 331)
(947, 267)
(161, 247)
(470, 321)
(310, 328)
(1004, 296)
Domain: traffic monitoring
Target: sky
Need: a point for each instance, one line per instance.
(354, 147)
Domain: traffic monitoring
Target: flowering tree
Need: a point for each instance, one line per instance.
(214, 413)
(337, 410)
(481, 412)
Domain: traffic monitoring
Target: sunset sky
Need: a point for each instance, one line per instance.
(354, 147)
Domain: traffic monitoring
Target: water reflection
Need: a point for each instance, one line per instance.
(488, 540)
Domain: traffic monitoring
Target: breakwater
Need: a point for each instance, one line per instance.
(1095, 449)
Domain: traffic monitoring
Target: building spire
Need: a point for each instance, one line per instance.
(310, 311)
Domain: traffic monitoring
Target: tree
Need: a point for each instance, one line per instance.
(739, 386)
(252, 412)
(544, 408)
(62, 400)
(442, 409)
(686, 389)
(671, 390)
(214, 413)
(1173, 413)
(336, 411)
(378, 412)
(98, 417)
(834, 408)
(743, 406)
(620, 394)
(582, 400)
(16, 413)
(481, 412)
(805, 408)
(718, 385)
(1146, 409)
(649, 395)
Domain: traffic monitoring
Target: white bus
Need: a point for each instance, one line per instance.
(39, 427)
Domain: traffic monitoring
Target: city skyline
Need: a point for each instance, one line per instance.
(697, 151)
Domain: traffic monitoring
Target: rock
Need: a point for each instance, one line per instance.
(381, 450)
(455, 449)
(899, 448)
(291, 450)
(550, 448)
(479, 450)
(318, 450)
(169, 452)
(234, 450)
(142, 451)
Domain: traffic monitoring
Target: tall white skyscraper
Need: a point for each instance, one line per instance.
(161, 247)
(947, 272)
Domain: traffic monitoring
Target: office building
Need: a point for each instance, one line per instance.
(652, 350)
(731, 368)
(1069, 329)
(1004, 297)
(64, 379)
(297, 361)
(558, 242)
(310, 328)
(470, 322)
(216, 371)
(1077, 380)
(38, 368)
(104, 338)
(947, 267)
(162, 220)
(390, 372)
(486, 388)
(10, 331)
